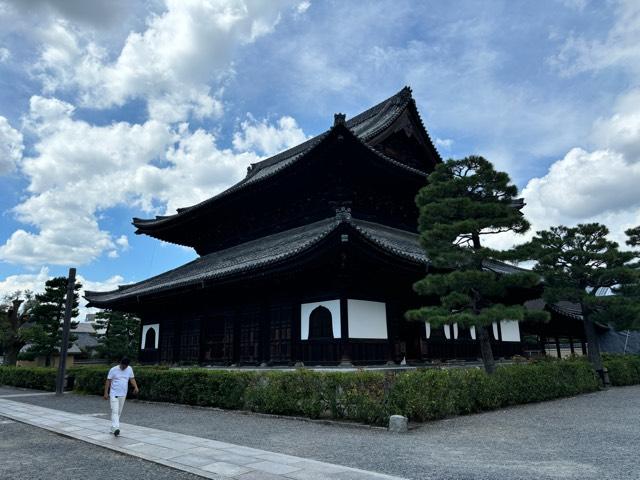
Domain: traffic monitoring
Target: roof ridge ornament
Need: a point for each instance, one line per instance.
(339, 119)
(343, 214)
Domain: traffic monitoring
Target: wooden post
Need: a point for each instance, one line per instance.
(345, 345)
(62, 364)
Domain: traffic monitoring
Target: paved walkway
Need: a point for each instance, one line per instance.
(200, 456)
(588, 437)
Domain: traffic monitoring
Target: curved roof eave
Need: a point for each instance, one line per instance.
(396, 242)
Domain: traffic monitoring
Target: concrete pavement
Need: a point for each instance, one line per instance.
(200, 456)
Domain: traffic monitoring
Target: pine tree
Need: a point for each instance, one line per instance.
(579, 264)
(14, 314)
(45, 337)
(465, 200)
(120, 335)
(626, 310)
(634, 237)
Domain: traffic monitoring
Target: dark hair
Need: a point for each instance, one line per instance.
(124, 361)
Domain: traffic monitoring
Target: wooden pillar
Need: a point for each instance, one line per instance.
(177, 338)
(264, 353)
(201, 344)
(558, 347)
(571, 345)
(237, 320)
(296, 349)
(345, 345)
(391, 332)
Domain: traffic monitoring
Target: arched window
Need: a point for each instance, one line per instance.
(320, 324)
(150, 338)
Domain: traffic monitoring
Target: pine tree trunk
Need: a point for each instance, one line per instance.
(14, 344)
(11, 358)
(593, 347)
(485, 350)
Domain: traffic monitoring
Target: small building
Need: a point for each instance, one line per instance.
(310, 258)
(86, 339)
(73, 352)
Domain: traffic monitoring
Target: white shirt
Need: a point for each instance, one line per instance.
(119, 381)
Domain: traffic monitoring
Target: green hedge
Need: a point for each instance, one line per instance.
(623, 369)
(363, 396)
(40, 378)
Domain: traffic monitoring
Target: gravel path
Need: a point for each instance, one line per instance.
(30, 453)
(592, 436)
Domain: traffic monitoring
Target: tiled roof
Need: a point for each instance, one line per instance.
(266, 251)
(364, 127)
(237, 259)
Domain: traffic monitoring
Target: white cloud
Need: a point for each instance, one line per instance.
(171, 64)
(96, 13)
(621, 131)
(107, 285)
(23, 282)
(197, 170)
(584, 186)
(5, 54)
(620, 48)
(445, 143)
(35, 282)
(123, 242)
(79, 170)
(601, 184)
(462, 73)
(268, 139)
(303, 6)
(11, 146)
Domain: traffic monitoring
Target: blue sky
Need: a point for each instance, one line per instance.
(116, 109)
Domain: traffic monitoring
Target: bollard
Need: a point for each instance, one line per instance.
(398, 424)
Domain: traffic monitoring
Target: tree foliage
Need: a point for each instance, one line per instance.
(45, 337)
(464, 201)
(15, 310)
(581, 265)
(119, 335)
(634, 236)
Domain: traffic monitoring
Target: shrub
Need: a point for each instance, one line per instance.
(363, 396)
(39, 378)
(300, 393)
(623, 369)
(89, 379)
(360, 396)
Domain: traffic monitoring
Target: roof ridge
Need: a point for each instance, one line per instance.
(400, 97)
(271, 165)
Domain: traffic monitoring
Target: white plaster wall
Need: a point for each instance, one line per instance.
(447, 332)
(473, 332)
(427, 328)
(510, 331)
(495, 330)
(305, 311)
(145, 328)
(455, 331)
(367, 319)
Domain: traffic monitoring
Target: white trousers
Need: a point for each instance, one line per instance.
(116, 410)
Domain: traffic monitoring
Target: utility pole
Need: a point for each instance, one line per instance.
(62, 364)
